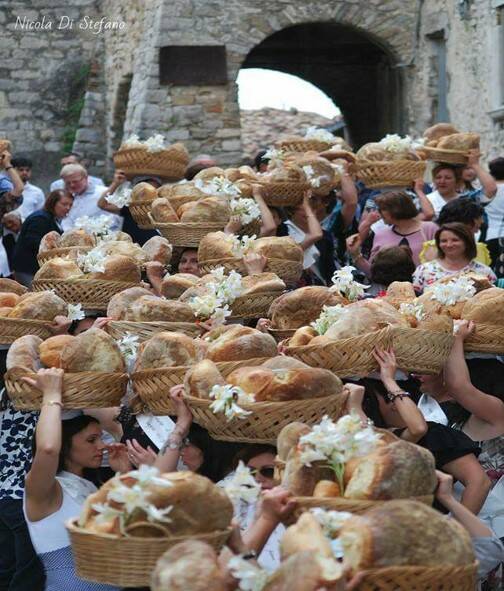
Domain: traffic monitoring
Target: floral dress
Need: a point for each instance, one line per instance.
(433, 271)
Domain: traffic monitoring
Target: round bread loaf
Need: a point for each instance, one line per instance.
(211, 209)
(24, 353)
(58, 268)
(8, 300)
(49, 241)
(118, 268)
(162, 211)
(143, 192)
(150, 308)
(169, 349)
(76, 237)
(278, 247)
(50, 349)
(120, 302)
(92, 350)
(200, 379)
(486, 307)
(238, 343)
(173, 286)
(41, 305)
(158, 249)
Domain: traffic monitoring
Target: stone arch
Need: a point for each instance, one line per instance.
(355, 68)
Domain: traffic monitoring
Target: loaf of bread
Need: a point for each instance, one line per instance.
(126, 249)
(76, 237)
(118, 268)
(173, 286)
(58, 268)
(215, 245)
(404, 533)
(143, 192)
(200, 379)
(377, 152)
(398, 470)
(49, 241)
(301, 480)
(304, 535)
(169, 349)
(433, 134)
(262, 283)
(486, 307)
(207, 174)
(210, 209)
(50, 349)
(198, 507)
(11, 286)
(436, 323)
(150, 308)
(41, 305)
(280, 385)
(460, 141)
(303, 336)
(24, 354)
(120, 302)
(306, 571)
(300, 307)
(162, 211)
(290, 173)
(8, 300)
(158, 249)
(288, 438)
(278, 247)
(93, 350)
(237, 343)
(188, 566)
(400, 292)
(284, 362)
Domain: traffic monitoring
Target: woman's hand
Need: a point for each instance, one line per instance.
(464, 328)
(60, 325)
(387, 363)
(118, 457)
(444, 488)
(353, 245)
(355, 395)
(184, 414)
(254, 263)
(473, 157)
(277, 504)
(234, 225)
(307, 195)
(263, 324)
(418, 185)
(102, 322)
(257, 192)
(49, 382)
(5, 159)
(139, 455)
(119, 179)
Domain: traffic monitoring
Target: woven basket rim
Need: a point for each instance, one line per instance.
(152, 322)
(67, 375)
(347, 500)
(168, 149)
(72, 525)
(257, 406)
(78, 281)
(446, 151)
(143, 202)
(177, 368)
(28, 321)
(239, 260)
(188, 225)
(251, 296)
(301, 185)
(413, 569)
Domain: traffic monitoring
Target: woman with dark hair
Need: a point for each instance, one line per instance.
(393, 263)
(403, 228)
(67, 455)
(456, 252)
(34, 228)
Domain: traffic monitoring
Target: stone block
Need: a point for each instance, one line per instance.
(231, 145)
(93, 136)
(228, 133)
(32, 42)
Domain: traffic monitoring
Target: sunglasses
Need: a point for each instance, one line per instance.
(265, 471)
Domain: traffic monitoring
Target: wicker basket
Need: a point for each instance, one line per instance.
(125, 561)
(302, 145)
(80, 390)
(266, 420)
(71, 251)
(13, 328)
(145, 330)
(255, 305)
(284, 194)
(288, 271)
(416, 350)
(186, 234)
(281, 334)
(448, 156)
(486, 338)
(153, 385)
(420, 578)
(93, 294)
(170, 164)
(356, 506)
(140, 212)
(398, 173)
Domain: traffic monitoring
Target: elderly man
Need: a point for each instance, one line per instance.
(73, 158)
(85, 195)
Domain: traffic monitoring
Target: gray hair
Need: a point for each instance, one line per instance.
(69, 169)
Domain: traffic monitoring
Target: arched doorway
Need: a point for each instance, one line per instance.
(349, 66)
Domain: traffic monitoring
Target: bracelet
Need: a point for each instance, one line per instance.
(250, 555)
(53, 403)
(397, 394)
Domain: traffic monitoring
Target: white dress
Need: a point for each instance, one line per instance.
(51, 542)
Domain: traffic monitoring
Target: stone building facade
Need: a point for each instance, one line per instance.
(390, 65)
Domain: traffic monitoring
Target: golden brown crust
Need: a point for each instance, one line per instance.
(123, 248)
(11, 286)
(50, 349)
(486, 307)
(150, 308)
(304, 535)
(399, 292)
(158, 249)
(173, 286)
(76, 237)
(42, 305)
(8, 300)
(119, 303)
(92, 350)
(211, 209)
(207, 174)
(262, 283)
(24, 353)
(200, 379)
(215, 245)
(288, 438)
(300, 307)
(278, 247)
(240, 343)
(327, 489)
(143, 192)
(460, 141)
(302, 336)
(58, 268)
(433, 134)
(163, 211)
(169, 349)
(118, 268)
(49, 241)
(306, 571)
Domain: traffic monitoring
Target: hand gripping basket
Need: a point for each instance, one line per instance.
(396, 173)
(288, 271)
(145, 330)
(80, 390)
(442, 155)
(140, 212)
(302, 145)
(153, 385)
(93, 294)
(284, 194)
(125, 561)
(486, 338)
(420, 578)
(170, 163)
(13, 328)
(266, 420)
(70, 251)
(185, 234)
(417, 351)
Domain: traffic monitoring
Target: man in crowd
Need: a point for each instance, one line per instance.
(33, 197)
(11, 185)
(73, 158)
(86, 196)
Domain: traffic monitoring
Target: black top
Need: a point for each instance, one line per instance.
(35, 226)
(131, 227)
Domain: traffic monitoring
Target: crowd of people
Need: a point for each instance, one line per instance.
(51, 460)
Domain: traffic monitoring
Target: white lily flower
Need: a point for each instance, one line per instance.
(121, 197)
(330, 521)
(155, 514)
(249, 576)
(242, 486)
(220, 315)
(149, 475)
(395, 143)
(320, 134)
(247, 209)
(328, 316)
(97, 225)
(343, 281)
(128, 345)
(75, 312)
(460, 289)
(155, 143)
(131, 498)
(274, 156)
(92, 261)
(132, 142)
(227, 400)
(412, 309)
(106, 514)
